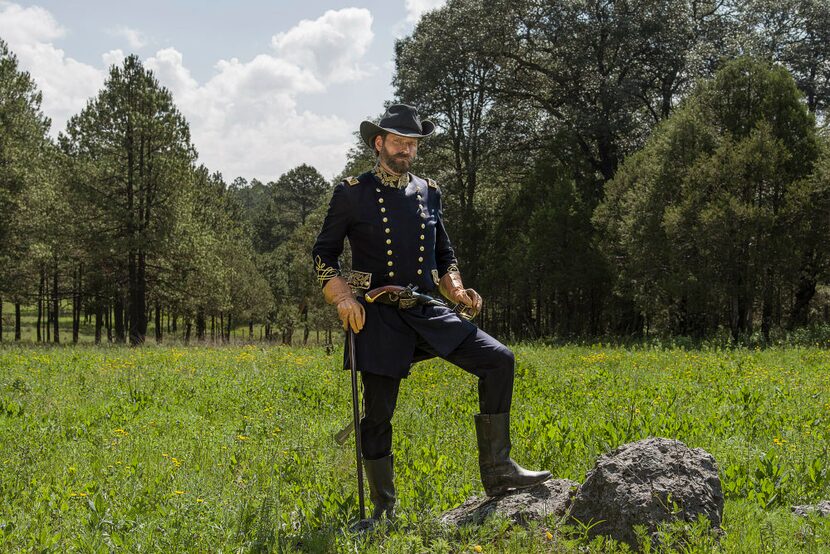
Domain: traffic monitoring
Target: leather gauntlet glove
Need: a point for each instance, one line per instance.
(349, 310)
(453, 290)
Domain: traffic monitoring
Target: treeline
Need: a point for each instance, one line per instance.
(630, 167)
(609, 168)
(116, 223)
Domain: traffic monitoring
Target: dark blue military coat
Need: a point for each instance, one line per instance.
(397, 237)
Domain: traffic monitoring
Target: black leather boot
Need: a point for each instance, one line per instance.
(381, 476)
(499, 473)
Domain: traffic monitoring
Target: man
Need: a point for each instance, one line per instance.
(393, 221)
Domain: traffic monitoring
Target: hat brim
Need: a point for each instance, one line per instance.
(369, 130)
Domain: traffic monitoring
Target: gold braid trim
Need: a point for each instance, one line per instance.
(324, 272)
(390, 179)
(358, 279)
(453, 268)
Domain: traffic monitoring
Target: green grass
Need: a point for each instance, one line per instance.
(168, 449)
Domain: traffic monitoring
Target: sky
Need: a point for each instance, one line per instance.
(265, 85)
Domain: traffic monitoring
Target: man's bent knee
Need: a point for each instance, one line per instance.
(504, 359)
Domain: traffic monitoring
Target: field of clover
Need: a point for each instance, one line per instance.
(231, 449)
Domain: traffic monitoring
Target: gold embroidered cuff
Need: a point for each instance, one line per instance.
(324, 272)
(358, 279)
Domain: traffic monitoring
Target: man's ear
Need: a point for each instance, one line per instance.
(378, 143)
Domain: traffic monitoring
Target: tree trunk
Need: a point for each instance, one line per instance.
(118, 314)
(99, 321)
(212, 328)
(767, 307)
(158, 323)
(806, 290)
(175, 323)
(76, 309)
(138, 300)
(251, 330)
(200, 325)
(1, 319)
(17, 321)
(187, 331)
(109, 322)
(76, 304)
(228, 330)
(40, 304)
(48, 313)
(56, 304)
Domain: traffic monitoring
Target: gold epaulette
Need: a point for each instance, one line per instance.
(432, 184)
(352, 181)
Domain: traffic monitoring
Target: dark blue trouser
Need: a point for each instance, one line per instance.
(479, 354)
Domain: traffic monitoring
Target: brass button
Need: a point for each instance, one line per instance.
(391, 273)
(422, 238)
(385, 219)
(420, 259)
(388, 230)
(388, 252)
(423, 226)
(388, 241)
(390, 263)
(383, 210)
(380, 200)
(420, 271)
(422, 249)
(423, 215)
(377, 190)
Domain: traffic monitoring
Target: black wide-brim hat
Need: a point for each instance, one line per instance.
(400, 119)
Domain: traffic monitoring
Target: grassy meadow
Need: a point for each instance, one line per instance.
(200, 449)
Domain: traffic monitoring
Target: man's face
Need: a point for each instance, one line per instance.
(397, 152)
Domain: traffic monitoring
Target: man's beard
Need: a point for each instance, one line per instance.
(400, 164)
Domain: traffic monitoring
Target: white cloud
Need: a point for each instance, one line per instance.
(135, 39)
(19, 25)
(66, 83)
(245, 119)
(416, 8)
(331, 47)
(113, 57)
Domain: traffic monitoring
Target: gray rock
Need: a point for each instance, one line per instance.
(648, 482)
(822, 509)
(549, 498)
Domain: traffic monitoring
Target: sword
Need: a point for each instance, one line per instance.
(356, 413)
